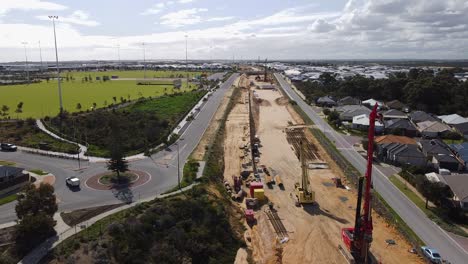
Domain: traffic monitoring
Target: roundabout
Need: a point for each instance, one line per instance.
(108, 180)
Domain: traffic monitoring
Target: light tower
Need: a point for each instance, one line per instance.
(53, 18)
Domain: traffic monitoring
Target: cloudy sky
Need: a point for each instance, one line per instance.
(277, 29)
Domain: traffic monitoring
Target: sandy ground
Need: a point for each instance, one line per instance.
(314, 231)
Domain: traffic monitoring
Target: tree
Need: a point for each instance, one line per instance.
(5, 110)
(115, 99)
(35, 210)
(94, 106)
(117, 162)
(19, 108)
(78, 106)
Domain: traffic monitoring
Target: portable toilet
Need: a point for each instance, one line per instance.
(259, 194)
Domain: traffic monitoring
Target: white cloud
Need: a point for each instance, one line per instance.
(78, 17)
(182, 17)
(159, 7)
(321, 26)
(8, 5)
(226, 18)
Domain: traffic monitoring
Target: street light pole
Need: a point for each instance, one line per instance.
(40, 54)
(186, 60)
(118, 53)
(144, 60)
(53, 18)
(26, 59)
(178, 167)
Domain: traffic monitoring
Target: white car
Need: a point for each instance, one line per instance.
(72, 182)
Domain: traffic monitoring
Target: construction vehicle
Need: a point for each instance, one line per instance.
(357, 239)
(249, 216)
(303, 192)
(237, 183)
(337, 182)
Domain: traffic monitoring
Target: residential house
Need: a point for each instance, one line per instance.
(462, 128)
(458, 183)
(347, 112)
(326, 101)
(433, 129)
(399, 150)
(453, 119)
(348, 100)
(401, 127)
(461, 151)
(395, 139)
(405, 154)
(440, 155)
(395, 104)
(11, 178)
(371, 102)
(421, 116)
(394, 114)
(361, 122)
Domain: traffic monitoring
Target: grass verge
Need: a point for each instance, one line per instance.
(8, 199)
(7, 163)
(39, 172)
(430, 212)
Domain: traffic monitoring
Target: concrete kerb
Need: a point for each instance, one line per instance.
(64, 231)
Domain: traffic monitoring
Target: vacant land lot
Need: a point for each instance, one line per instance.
(137, 127)
(26, 134)
(41, 99)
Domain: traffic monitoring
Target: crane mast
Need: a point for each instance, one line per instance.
(359, 237)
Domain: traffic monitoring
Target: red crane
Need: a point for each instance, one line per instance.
(358, 238)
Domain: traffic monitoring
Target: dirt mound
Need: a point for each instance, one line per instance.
(265, 103)
(282, 101)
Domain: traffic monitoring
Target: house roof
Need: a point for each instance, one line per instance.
(446, 158)
(459, 185)
(462, 128)
(433, 126)
(372, 102)
(325, 99)
(393, 113)
(399, 124)
(395, 104)
(434, 146)
(348, 100)
(421, 116)
(408, 151)
(6, 171)
(453, 119)
(461, 150)
(394, 139)
(364, 121)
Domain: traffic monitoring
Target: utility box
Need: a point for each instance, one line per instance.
(259, 194)
(254, 186)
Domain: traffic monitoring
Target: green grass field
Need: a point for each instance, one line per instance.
(41, 99)
(132, 74)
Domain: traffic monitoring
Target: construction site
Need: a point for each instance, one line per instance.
(297, 204)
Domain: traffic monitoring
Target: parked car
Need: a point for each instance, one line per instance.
(431, 254)
(8, 147)
(72, 182)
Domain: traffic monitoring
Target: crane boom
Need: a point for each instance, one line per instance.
(359, 237)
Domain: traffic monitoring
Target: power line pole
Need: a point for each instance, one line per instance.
(26, 59)
(53, 18)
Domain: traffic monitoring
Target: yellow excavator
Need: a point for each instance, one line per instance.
(303, 191)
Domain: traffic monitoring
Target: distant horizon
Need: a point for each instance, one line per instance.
(353, 30)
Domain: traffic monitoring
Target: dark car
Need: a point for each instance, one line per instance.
(8, 147)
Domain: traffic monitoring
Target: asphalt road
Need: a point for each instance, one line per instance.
(162, 167)
(427, 230)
